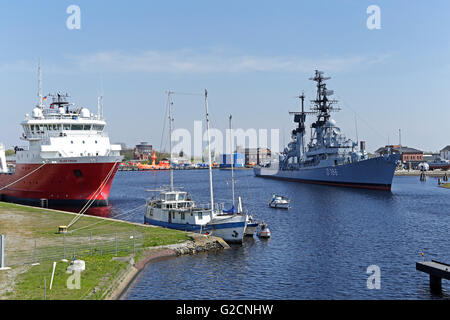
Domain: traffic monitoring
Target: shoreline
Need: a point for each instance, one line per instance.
(198, 243)
(434, 173)
(110, 274)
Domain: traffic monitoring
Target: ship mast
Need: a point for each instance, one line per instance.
(232, 161)
(169, 95)
(322, 104)
(209, 153)
(300, 118)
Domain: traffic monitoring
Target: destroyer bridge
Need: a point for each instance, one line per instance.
(437, 271)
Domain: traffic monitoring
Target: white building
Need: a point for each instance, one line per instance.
(445, 153)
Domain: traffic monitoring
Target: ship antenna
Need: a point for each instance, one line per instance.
(40, 104)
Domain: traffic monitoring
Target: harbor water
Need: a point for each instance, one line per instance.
(320, 249)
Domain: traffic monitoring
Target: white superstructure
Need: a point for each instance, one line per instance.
(62, 132)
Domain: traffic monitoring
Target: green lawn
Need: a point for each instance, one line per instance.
(92, 239)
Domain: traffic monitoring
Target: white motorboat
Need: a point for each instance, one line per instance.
(252, 225)
(279, 202)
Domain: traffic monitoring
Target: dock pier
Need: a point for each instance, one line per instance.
(437, 271)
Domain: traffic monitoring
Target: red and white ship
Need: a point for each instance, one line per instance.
(68, 161)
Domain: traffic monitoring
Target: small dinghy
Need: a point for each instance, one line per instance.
(263, 231)
(279, 202)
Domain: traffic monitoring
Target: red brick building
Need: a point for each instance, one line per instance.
(410, 156)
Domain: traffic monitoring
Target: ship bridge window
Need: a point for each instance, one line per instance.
(66, 126)
(97, 127)
(87, 127)
(77, 127)
(170, 197)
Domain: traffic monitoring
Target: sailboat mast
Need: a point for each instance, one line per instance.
(209, 153)
(232, 161)
(170, 139)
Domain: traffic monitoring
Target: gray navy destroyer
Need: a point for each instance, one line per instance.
(329, 158)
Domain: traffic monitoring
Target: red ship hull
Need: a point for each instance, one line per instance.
(444, 167)
(71, 184)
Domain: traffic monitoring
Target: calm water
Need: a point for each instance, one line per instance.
(320, 249)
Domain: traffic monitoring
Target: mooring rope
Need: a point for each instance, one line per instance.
(119, 215)
(93, 196)
(20, 179)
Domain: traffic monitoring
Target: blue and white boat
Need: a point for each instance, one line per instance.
(174, 209)
(329, 158)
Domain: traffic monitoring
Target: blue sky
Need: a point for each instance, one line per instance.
(253, 56)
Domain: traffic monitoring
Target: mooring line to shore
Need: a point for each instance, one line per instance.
(92, 198)
(122, 214)
(28, 174)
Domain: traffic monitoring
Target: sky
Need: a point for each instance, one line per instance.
(254, 57)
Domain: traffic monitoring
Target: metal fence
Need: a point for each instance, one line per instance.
(66, 246)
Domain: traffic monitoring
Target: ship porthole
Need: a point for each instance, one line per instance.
(77, 173)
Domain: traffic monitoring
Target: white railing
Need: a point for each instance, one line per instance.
(45, 137)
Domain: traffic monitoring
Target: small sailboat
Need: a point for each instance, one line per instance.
(280, 202)
(263, 231)
(176, 210)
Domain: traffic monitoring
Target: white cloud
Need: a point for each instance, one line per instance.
(188, 61)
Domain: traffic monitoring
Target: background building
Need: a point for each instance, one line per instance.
(259, 156)
(409, 156)
(143, 151)
(445, 153)
(238, 161)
